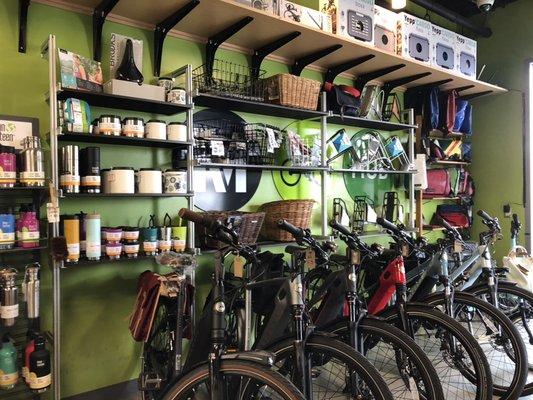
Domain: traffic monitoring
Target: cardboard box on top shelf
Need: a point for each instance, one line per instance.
(466, 55)
(133, 89)
(269, 6)
(351, 18)
(305, 15)
(413, 36)
(443, 48)
(385, 25)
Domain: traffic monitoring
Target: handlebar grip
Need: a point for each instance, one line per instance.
(515, 218)
(446, 224)
(484, 215)
(387, 224)
(298, 233)
(343, 230)
(198, 218)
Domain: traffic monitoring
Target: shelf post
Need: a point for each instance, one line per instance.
(362, 80)
(23, 24)
(411, 144)
(99, 16)
(323, 161)
(214, 42)
(261, 53)
(334, 71)
(300, 64)
(162, 29)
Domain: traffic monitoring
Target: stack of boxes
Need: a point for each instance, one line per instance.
(402, 34)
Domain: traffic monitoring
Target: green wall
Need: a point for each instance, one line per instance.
(498, 120)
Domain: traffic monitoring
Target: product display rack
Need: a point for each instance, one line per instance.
(55, 94)
(134, 195)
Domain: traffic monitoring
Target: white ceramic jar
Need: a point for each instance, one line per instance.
(119, 180)
(177, 132)
(149, 181)
(156, 129)
(175, 181)
(177, 96)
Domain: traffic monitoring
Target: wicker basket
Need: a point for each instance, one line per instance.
(292, 91)
(247, 226)
(297, 212)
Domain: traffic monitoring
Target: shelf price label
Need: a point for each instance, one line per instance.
(52, 213)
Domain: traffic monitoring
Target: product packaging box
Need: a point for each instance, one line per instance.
(413, 37)
(351, 18)
(466, 55)
(443, 48)
(304, 15)
(78, 72)
(117, 47)
(133, 89)
(385, 25)
(269, 6)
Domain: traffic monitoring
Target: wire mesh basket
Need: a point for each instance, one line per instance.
(262, 140)
(229, 80)
(303, 151)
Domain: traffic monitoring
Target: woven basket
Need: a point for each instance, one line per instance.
(297, 212)
(247, 226)
(292, 91)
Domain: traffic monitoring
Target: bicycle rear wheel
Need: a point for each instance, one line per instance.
(405, 367)
(500, 340)
(238, 380)
(338, 371)
(459, 360)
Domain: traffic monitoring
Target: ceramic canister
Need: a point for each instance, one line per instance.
(149, 237)
(166, 82)
(177, 96)
(109, 125)
(133, 127)
(8, 167)
(156, 129)
(177, 131)
(119, 180)
(175, 181)
(149, 181)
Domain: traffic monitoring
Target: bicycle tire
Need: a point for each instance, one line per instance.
(506, 290)
(516, 353)
(478, 384)
(322, 347)
(261, 376)
(375, 331)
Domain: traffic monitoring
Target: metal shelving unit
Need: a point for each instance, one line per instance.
(55, 94)
(125, 195)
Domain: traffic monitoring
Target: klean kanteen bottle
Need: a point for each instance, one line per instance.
(40, 374)
(9, 374)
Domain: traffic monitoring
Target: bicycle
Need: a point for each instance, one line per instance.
(223, 375)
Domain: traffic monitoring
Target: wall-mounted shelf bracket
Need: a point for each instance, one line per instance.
(389, 86)
(162, 29)
(99, 15)
(300, 64)
(362, 80)
(261, 53)
(23, 24)
(430, 85)
(463, 88)
(334, 71)
(475, 95)
(214, 42)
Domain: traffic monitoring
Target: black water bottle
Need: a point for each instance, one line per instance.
(40, 374)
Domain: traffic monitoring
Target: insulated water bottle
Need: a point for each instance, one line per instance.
(9, 306)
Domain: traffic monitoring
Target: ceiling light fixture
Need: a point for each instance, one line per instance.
(399, 4)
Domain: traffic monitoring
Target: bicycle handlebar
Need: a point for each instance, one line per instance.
(485, 216)
(388, 225)
(340, 228)
(447, 225)
(198, 218)
(298, 233)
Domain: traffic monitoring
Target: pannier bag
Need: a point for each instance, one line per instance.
(456, 215)
(438, 183)
(463, 117)
(520, 265)
(149, 291)
(464, 184)
(343, 100)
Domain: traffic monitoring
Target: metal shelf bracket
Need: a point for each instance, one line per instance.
(362, 80)
(23, 24)
(475, 95)
(214, 42)
(463, 88)
(389, 86)
(430, 85)
(334, 71)
(301, 63)
(99, 16)
(260, 54)
(162, 29)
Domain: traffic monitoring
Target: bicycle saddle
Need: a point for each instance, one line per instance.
(128, 71)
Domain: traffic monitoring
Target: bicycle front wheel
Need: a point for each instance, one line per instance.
(238, 380)
(337, 370)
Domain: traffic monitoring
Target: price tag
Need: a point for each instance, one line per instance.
(354, 256)
(52, 213)
(405, 250)
(272, 142)
(217, 148)
(457, 247)
(238, 267)
(310, 259)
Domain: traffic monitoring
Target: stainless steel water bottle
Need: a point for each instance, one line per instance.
(93, 229)
(70, 172)
(32, 164)
(9, 306)
(31, 289)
